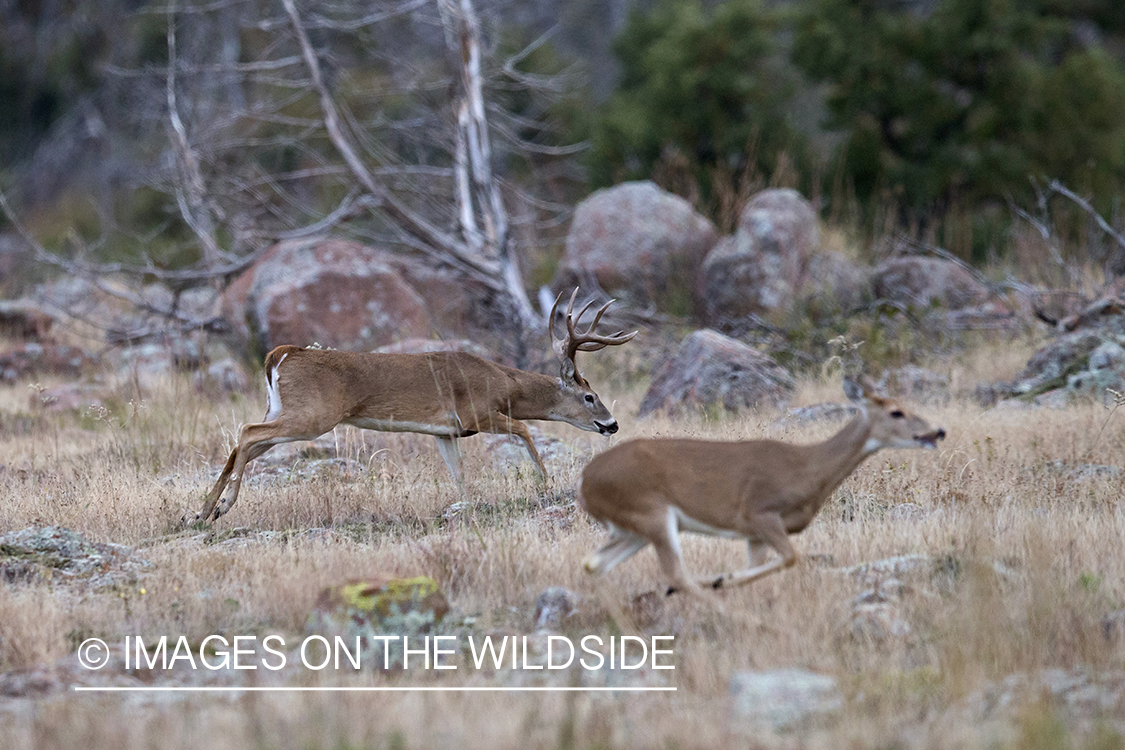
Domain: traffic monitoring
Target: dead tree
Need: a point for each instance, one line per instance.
(416, 162)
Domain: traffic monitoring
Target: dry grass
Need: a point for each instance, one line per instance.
(988, 496)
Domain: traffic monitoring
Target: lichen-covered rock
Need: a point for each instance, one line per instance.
(736, 280)
(639, 243)
(34, 358)
(337, 293)
(1050, 367)
(1105, 371)
(834, 285)
(784, 698)
(346, 295)
(509, 452)
(54, 553)
(782, 222)
(711, 371)
(411, 607)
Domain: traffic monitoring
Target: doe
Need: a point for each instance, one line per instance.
(649, 490)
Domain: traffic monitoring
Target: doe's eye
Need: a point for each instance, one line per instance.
(897, 414)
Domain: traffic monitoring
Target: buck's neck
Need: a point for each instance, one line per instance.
(840, 455)
(534, 396)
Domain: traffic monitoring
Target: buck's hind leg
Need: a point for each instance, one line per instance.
(256, 439)
(213, 496)
(247, 454)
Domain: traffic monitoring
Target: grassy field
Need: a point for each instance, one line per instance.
(1022, 538)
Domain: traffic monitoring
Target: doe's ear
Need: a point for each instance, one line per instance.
(853, 389)
(860, 389)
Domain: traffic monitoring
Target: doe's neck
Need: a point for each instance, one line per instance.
(841, 454)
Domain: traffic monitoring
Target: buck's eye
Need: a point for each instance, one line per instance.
(897, 414)
(589, 399)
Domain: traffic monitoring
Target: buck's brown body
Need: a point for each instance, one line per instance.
(449, 395)
(649, 490)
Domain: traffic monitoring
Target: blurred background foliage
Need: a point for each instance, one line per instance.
(927, 117)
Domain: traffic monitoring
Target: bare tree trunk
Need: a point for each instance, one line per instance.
(474, 141)
(482, 245)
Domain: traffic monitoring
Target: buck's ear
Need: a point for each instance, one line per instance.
(566, 370)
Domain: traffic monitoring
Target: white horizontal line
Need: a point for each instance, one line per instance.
(338, 689)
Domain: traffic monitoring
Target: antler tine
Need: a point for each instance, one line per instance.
(582, 341)
(602, 342)
(588, 341)
(572, 322)
(598, 316)
(555, 343)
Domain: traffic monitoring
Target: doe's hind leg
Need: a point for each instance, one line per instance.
(621, 546)
(771, 530)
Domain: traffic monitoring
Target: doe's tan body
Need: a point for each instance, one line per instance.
(649, 490)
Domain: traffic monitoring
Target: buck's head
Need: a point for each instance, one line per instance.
(891, 424)
(577, 403)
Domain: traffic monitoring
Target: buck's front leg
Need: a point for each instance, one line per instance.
(451, 454)
(503, 425)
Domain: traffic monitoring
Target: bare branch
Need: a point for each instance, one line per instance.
(193, 206)
(409, 221)
(1057, 187)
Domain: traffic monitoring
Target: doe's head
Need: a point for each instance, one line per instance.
(892, 424)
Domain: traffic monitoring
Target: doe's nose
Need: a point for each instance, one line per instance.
(607, 428)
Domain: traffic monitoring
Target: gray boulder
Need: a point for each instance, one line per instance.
(922, 283)
(710, 371)
(637, 242)
(1052, 366)
(765, 263)
(554, 607)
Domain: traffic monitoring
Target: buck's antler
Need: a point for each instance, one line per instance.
(581, 341)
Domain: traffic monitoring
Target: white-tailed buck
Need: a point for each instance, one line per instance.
(649, 490)
(445, 394)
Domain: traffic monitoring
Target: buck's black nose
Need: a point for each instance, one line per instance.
(607, 429)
